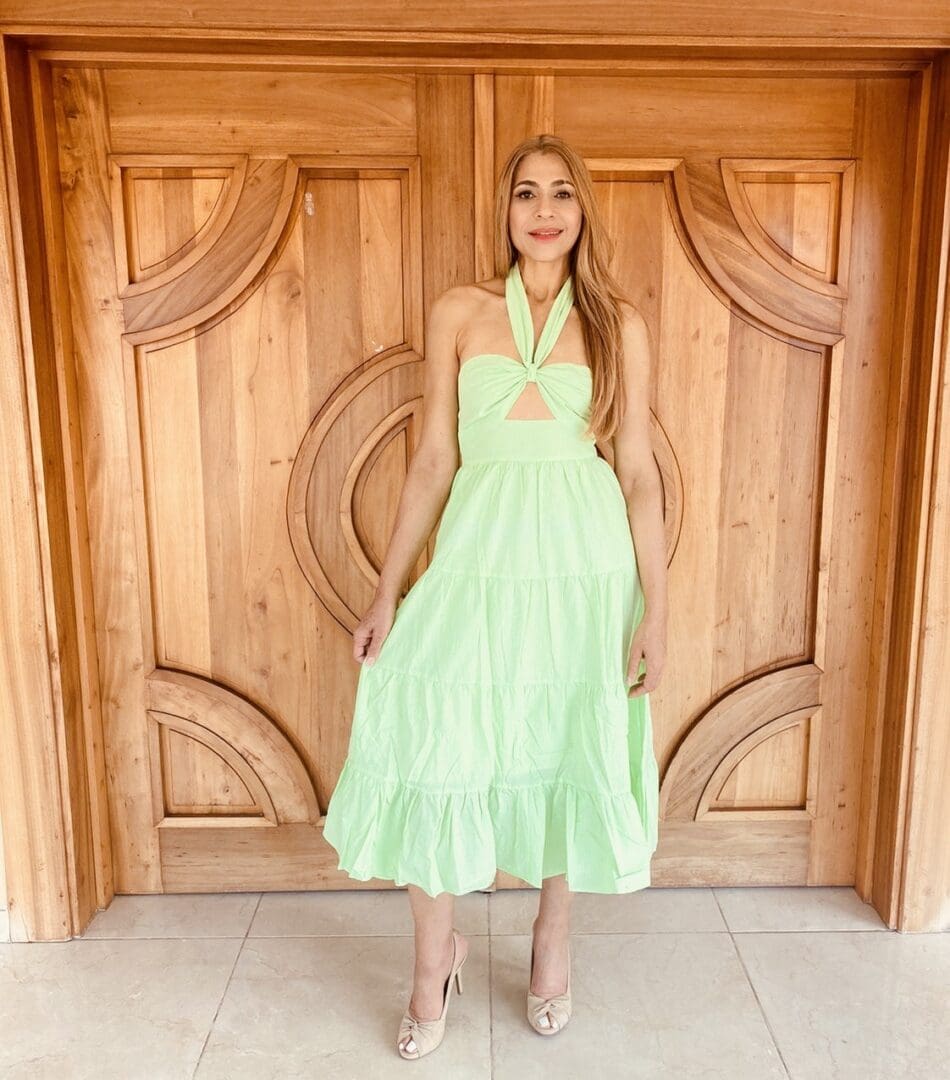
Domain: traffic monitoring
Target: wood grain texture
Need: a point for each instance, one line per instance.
(38, 829)
(666, 20)
(909, 776)
(242, 259)
(754, 409)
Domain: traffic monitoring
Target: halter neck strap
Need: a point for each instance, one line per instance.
(522, 327)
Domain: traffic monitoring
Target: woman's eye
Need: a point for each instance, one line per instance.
(567, 193)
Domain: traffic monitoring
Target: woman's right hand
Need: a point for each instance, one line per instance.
(373, 628)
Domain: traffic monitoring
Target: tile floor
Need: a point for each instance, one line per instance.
(703, 983)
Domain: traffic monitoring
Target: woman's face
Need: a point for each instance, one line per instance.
(543, 198)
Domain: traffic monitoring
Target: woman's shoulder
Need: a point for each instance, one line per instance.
(475, 292)
(468, 303)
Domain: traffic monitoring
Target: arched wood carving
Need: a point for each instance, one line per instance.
(727, 730)
(247, 740)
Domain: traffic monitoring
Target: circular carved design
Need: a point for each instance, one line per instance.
(372, 407)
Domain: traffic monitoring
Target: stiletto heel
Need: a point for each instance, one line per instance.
(555, 1010)
(428, 1034)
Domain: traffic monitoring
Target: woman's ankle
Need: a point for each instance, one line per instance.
(550, 927)
(431, 958)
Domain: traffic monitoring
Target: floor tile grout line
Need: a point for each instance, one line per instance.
(755, 993)
(761, 1007)
(474, 933)
(227, 985)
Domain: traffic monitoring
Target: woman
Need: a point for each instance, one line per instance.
(501, 719)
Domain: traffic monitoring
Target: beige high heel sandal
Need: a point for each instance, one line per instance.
(550, 1015)
(426, 1035)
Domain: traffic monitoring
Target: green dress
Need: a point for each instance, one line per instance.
(494, 729)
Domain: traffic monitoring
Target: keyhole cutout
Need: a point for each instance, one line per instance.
(530, 405)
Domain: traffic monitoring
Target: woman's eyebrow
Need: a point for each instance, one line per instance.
(554, 183)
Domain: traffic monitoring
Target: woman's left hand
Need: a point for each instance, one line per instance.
(648, 645)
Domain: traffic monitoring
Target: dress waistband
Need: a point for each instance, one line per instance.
(523, 440)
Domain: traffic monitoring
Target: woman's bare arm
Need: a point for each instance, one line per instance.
(642, 487)
(431, 471)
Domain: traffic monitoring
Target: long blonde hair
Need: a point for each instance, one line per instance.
(596, 293)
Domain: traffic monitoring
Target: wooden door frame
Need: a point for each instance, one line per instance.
(53, 805)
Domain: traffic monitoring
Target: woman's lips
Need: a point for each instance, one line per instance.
(546, 236)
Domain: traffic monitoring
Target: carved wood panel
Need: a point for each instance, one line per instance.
(250, 263)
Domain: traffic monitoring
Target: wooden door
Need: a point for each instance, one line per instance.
(250, 255)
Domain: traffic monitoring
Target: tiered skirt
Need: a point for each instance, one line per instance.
(494, 730)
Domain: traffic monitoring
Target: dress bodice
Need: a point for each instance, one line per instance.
(489, 384)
